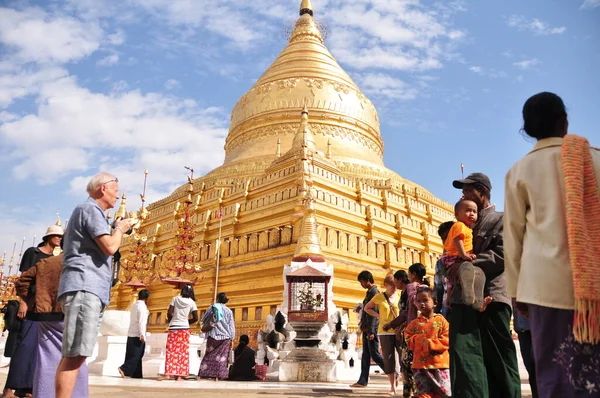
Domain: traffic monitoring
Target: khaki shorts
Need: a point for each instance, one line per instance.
(83, 315)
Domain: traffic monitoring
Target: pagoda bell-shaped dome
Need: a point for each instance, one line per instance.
(305, 74)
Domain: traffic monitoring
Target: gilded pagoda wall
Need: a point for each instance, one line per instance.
(360, 227)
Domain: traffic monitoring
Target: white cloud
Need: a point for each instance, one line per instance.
(7, 117)
(590, 4)
(36, 36)
(26, 81)
(72, 131)
(116, 39)
(37, 44)
(229, 19)
(487, 72)
(119, 86)
(172, 84)
(392, 34)
(109, 60)
(386, 86)
(527, 63)
(384, 34)
(133, 130)
(533, 25)
(18, 225)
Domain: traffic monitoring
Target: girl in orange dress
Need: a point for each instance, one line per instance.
(429, 339)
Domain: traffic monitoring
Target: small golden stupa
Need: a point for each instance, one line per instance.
(303, 132)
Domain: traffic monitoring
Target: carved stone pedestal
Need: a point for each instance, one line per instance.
(307, 364)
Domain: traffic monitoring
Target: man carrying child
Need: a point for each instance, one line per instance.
(483, 358)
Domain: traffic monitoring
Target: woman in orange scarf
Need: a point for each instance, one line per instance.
(551, 248)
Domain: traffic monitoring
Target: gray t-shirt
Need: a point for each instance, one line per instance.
(85, 266)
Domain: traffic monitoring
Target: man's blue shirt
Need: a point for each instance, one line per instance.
(85, 266)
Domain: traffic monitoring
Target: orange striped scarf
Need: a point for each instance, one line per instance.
(583, 230)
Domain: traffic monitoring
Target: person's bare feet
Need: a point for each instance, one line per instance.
(161, 378)
(356, 385)
(122, 374)
(486, 302)
(8, 393)
(216, 379)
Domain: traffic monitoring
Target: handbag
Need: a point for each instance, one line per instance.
(209, 323)
(399, 331)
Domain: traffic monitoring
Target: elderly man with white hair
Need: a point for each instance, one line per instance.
(86, 276)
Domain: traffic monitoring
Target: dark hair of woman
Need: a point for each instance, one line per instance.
(429, 291)
(418, 269)
(244, 341)
(402, 276)
(544, 116)
(222, 298)
(188, 292)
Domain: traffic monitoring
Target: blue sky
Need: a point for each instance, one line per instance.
(121, 86)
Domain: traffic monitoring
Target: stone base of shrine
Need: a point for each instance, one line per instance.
(307, 364)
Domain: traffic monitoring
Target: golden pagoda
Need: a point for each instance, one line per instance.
(303, 132)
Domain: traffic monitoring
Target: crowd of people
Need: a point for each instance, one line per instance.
(63, 290)
(534, 262)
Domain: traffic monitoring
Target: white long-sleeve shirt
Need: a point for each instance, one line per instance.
(138, 319)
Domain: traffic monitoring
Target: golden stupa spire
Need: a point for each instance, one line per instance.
(144, 213)
(306, 8)
(306, 26)
(122, 211)
(278, 153)
(308, 245)
(58, 223)
(304, 138)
